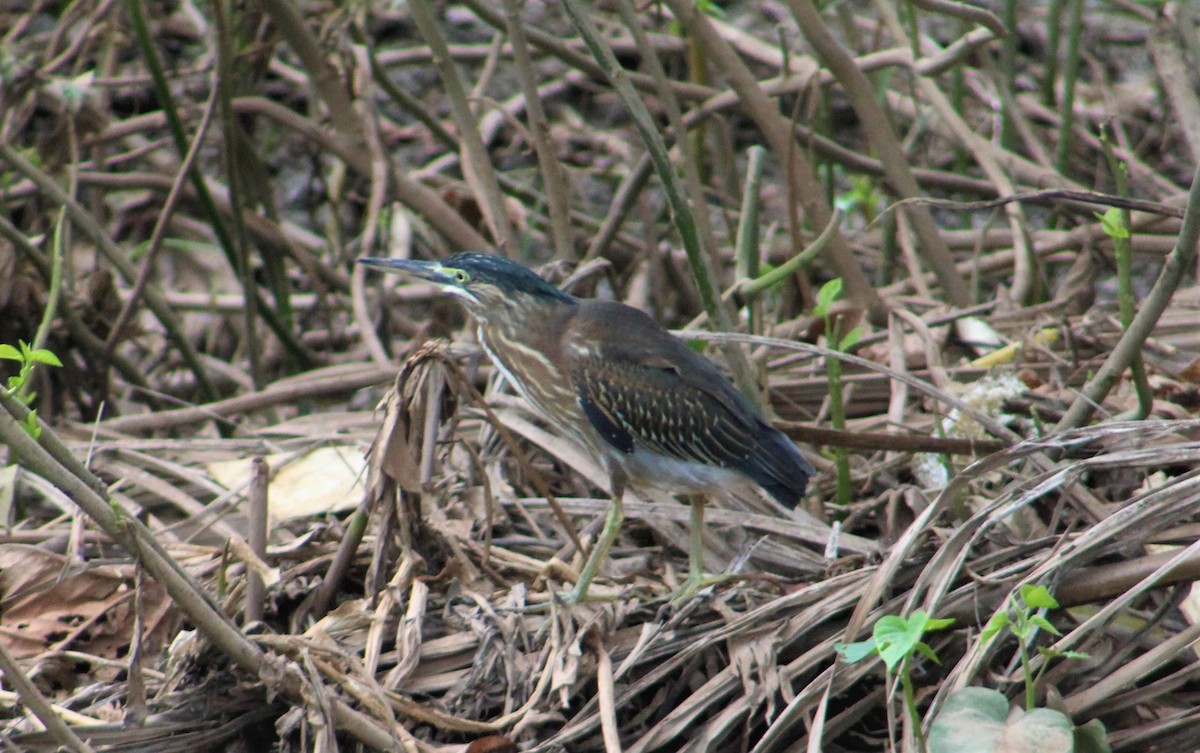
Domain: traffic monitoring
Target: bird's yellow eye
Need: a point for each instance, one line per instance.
(461, 277)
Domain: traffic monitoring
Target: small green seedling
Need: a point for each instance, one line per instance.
(979, 720)
(1023, 620)
(826, 296)
(896, 640)
(18, 383)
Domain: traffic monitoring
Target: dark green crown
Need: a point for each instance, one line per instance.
(505, 274)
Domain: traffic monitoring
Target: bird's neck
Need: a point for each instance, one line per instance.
(526, 346)
(538, 327)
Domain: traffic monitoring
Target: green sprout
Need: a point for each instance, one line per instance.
(826, 296)
(1023, 620)
(18, 384)
(896, 640)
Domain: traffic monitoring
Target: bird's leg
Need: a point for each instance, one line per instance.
(696, 553)
(696, 579)
(612, 526)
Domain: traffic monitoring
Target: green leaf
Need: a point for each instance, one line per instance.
(896, 637)
(9, 352)
(851, 339)
(31, 425)
(924, 650)
(828, 293)
(893, 627)
(938, 623)
(998, 622)
(41, 355)
(1044, 624)
(1021, 628)
(1092, 738)
(1038, 597)
(855, 652)
(1113, 224)
(977, 720)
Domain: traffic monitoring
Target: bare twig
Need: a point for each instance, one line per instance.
(477, 166)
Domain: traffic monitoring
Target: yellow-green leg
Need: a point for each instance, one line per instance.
(696, 579)
(612, 526)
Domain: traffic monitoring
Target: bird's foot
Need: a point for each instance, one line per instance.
(695, 583)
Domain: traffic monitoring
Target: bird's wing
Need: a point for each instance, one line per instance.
(644, 403)
(638, 383)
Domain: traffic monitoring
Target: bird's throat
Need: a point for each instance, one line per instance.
(518, 350)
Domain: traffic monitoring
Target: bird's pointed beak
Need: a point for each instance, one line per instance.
(425, 270)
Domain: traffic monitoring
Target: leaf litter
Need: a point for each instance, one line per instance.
(421, 588)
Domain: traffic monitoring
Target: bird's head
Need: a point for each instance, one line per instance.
(489, 285)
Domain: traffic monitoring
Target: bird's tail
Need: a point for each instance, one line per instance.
(779, 468)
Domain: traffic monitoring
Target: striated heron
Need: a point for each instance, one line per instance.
(638, 398)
